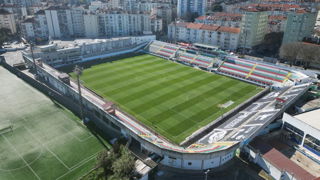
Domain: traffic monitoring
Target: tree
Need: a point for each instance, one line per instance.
(5, 35)
(290, 52)
(308, 53)
(217, 8)
(302, 52)
(270, 45)
(123, 167)
(117, 164)
(105, 160)
(190, 17)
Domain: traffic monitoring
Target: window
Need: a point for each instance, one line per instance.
(312, 143)
(296, 134)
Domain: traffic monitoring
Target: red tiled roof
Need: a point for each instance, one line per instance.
(280, 161)
(229, 29)
(283, 163)
(201, 17)
(194, 25)
(279, 17)
(209, 27)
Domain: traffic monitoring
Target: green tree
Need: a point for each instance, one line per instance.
(5, 35)
(190, 17)
(105, 160)
(290, 52)
(217, 8)
(270, 45)
(123, 167)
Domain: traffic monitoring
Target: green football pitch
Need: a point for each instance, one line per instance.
(46, 142)
(173, 99)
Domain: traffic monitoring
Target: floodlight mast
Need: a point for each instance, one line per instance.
(32, 55)
(78, 71)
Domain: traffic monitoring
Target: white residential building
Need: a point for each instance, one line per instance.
(123, 24)
(185, 7)
(300, 24)
(221, 36)
(253, 28)
(7, 21)
(65, 22)
(91, 25)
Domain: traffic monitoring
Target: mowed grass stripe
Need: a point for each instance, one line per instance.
(137, 79)
(158, 118)
(153, 86)
(187, 107)
(158, 89)
(200, 116)
(118, 64)
(111, 79)
(184, 95)
(134, 93)
(173, 93)
(111, 72)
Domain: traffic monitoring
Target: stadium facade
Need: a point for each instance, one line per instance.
(212, 145)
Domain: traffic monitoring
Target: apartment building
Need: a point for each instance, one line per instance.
(254, 27)
(163, 12)
(300, 24)
(185, 7)
(221, 36)
(35, 27)
(91, 25)
(121, 24)
(7, 21)
(277, 23)
(64, 22)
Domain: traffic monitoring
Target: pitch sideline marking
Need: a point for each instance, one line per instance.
(78, 165)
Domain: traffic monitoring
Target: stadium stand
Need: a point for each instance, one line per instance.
(254, 71)
(163, 49)
(199, 60)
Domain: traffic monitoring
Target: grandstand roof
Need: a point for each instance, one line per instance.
(310, 118)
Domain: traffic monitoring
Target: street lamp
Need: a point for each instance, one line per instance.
(78, 71)
(206, 174)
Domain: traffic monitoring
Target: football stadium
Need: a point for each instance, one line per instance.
(192, 106)
(172, 99)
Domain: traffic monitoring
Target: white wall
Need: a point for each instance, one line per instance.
(91, 25)
(53, 23)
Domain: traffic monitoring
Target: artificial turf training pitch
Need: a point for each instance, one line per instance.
(47, 141)
(173, 99)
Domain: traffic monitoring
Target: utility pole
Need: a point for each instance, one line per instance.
(78, 71)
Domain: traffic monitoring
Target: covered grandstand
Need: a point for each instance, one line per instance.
(257, 72)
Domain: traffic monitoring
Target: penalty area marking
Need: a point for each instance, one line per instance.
(17, 152)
